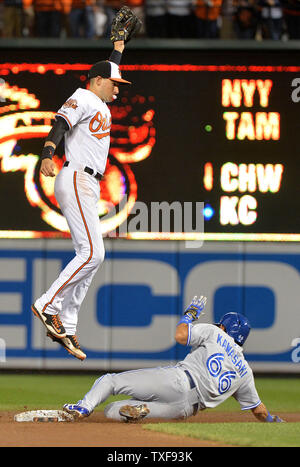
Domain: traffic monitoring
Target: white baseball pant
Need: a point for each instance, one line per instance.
(77, 193)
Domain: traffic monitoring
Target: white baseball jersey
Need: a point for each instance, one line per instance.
(89, 119)
(218, 367)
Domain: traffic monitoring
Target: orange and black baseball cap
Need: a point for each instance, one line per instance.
(107, 70)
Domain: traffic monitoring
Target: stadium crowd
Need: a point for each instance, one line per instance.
(203, 19)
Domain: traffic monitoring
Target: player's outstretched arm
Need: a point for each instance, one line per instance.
(116, 55)
(124, 26)
(261, 413)
(182, 333)
(191, 314)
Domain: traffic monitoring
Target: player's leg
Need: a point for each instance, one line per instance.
(72, 302)
(69, 316)
(77, 196)
(165, 385)
(102, 388)
(120, 410)
(163, 392)
(89, 248)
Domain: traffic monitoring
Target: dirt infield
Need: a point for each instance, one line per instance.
(97, 431)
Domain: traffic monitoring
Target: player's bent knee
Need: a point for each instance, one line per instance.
(106, 381)
(98, 256)
(92, 257)
(112, 411)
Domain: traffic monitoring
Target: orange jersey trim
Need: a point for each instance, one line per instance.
(90, 242)
(66, 118)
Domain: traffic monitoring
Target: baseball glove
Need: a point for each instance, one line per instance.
(125, 25)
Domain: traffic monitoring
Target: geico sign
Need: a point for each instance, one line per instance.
(165, 280)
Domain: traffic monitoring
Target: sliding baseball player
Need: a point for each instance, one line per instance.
(84, 121)
(214, 370)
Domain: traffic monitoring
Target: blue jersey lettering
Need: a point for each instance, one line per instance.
(235, 358)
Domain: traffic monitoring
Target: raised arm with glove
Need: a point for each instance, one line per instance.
(125, 25)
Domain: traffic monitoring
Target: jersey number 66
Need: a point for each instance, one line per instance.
(214, 366)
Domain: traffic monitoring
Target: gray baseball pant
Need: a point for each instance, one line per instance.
(165, 390)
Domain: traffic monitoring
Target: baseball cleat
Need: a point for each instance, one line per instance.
(52, 322)
(71, 344)
(134, 413)
(76, 410)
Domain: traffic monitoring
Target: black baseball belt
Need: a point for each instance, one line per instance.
(192, 386)
(88, 170)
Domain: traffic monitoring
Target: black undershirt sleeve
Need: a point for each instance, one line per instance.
(55, 135)
(115, 57)
(58, 130)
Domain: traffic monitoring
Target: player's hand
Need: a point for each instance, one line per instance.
(277, 419)
(48, 168)
(194, 309)
(119, 46)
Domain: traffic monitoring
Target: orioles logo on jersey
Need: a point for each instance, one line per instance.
(100, 126)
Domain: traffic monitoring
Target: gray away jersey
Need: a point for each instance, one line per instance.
(218, 367)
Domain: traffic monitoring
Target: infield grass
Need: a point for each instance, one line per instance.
(40, 391)
(20, 392)
(52, 391)
(236, 434)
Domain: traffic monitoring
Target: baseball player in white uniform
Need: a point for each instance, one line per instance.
(214, 370)
(84, 121)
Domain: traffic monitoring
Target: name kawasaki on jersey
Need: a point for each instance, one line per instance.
(236, 359)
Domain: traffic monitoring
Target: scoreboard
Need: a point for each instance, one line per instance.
(216, 129)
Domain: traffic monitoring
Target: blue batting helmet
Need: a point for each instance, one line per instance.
(237, 326)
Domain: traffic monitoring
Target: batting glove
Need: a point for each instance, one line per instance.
(193, 310)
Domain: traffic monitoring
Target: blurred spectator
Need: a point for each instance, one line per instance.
(81, 19)
(100, 18)
(155, 18)
(226, 30)
(180, 18)
(12, 18)
(245, 19)
(111, 7)
(137, 6)
(271, 19)
(291, 12)
(48, 16)
(208, 18)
